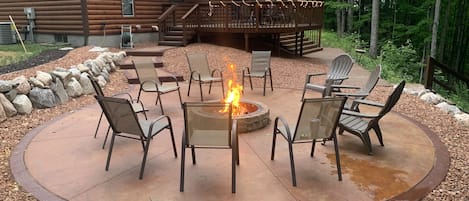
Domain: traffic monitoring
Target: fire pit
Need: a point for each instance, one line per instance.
(254, 116)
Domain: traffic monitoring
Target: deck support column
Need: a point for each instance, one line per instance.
(246, 42)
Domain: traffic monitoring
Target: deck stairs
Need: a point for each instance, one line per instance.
(287, 44)
(175, 35)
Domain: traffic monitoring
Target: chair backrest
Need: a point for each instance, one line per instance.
(206, 125)
(260, 61)
(392, 99)
(120, 115)
(198, 62)
(96, 87)
(340, 67)
(146, 72)
(372, 80)
(318, 118)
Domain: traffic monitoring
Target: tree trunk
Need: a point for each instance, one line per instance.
(338, 13)
(442, 46)
(436, 21)
(350, 17)
(374, 29)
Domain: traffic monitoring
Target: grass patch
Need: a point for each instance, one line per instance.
(10, 54)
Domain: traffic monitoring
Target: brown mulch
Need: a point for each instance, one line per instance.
(288, 73)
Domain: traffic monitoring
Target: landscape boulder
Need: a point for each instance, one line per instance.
(5, 86)
(11, 95)
(3, 116)
(36, 83)
(82, 68)
(23, 86)
(45, 78)
(75, 73)
(9, 108)
(42, 98)
(85, 83)
(432, 98)
(452, 109)
(22, 104)
(463, 118)
(73, 88)
(64, 76)
(58, 88)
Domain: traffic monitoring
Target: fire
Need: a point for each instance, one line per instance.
(234, 93)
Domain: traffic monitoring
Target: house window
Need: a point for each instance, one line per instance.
(128, 7)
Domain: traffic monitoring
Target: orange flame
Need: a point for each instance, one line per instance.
(234, 93)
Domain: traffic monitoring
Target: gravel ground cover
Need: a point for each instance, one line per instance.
(287, 73)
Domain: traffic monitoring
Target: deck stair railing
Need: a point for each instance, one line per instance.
(167, 20)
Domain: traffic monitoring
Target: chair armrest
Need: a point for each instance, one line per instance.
(285, 124)
(217, 70)
(234, 132)
(152, 124)
(246, 69)
(342, 86)
(309, 75)
(174, 78)
(194, 73)
(151, 81)
(351, 94)
(338, 78)
(124, 93)
(358, 114)
(369, 102)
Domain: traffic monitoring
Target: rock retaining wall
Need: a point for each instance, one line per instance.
(48, 89)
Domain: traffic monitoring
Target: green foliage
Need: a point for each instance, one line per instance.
(10, 54)
(460, 95)
(400, 62)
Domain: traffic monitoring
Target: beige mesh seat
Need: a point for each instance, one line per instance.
(359, 93)
(206, 127)
(317, 120)
(260, 68)
(200, 71)
(359, 124)
(150, 82)
(137, 106)
(338, 72)
(124, 123)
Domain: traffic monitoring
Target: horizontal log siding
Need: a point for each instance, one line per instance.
(54, 16)
(146, 13)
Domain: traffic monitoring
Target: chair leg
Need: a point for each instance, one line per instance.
(193, 154)
(292, 163)
(367, 142)
(144, 160)
(210, 87)
(237, 150)
(189, 88)
(274, 142)
(304, 91)
(201, 94)
(271, 83)
(265, 80)
(242, 82)
(145, 114)
(183, 158)
(233, 169)
(172, 140)
(250, 82)
(180, 99)
(158, 99)
(139, 93)
(377, 130)
(341, 130)
(337, 158)
(223, 88)
(99, 123)
(110, 151)
(312, 147)
(105, 138)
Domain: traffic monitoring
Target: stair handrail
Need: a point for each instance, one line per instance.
(430, 79)
(166, 20)
(191, 15)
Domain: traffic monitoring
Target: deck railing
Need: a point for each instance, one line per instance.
(254, 17)
(167, 20)
(448, 75)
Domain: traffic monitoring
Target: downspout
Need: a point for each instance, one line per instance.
(84, 18)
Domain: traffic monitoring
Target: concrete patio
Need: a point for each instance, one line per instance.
(62, 160)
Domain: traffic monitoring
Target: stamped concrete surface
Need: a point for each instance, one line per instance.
(65, 159)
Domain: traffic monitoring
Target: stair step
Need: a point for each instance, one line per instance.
(170, 43)
(179, 38)
(174, 33)
(126, 63)
(144, 53)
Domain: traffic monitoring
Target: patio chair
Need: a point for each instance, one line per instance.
(338, 72)
(260, 68)
(124, 123)
(200, 71)
(360, 92)
(206, 127)
(317, 120)
(360, 124)
(137, 106)
(150, 82)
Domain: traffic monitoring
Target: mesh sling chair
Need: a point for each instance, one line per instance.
(260, 68)
(150, 82)
(206, 127)
(338, 72)
(317, 120)
(124, 123)
(360, 124)
(361, 92)
(137, 106)
(200, 71)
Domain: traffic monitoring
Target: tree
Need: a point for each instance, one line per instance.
(374, 28)
(350, 16)
(436, 21)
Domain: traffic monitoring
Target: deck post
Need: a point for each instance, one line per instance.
(246, 42)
